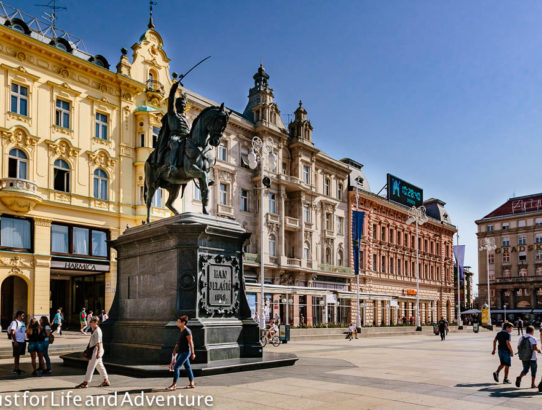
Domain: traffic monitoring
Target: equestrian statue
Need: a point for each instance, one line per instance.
(184, 153)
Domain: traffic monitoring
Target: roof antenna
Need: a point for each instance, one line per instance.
(51, 17)
(151, 3)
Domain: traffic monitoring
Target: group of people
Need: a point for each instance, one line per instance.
(86, 318)
(39, 335)
(527, 349)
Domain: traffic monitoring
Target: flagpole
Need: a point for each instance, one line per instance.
(459, 323)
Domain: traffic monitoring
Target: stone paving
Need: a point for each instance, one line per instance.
(376, 373)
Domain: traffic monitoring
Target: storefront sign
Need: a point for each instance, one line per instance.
(485, 316)
(331, 298)
(411, 292)
(72, 265)
(393, 303)
(220, 285)
(404, 193)
(520, 248)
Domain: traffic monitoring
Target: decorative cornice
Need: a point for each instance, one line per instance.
(101, 158)
(63, 87)
(103, 101)
(20, 136)
(20, 71)
(62, 147)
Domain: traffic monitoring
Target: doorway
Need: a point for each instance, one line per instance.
(60, 294)
(14, 297)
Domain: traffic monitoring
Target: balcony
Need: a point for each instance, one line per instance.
(19, 195)
(292, 224)
(273, 218)
(251, 258)
(293, 262)
(155, 92)
(347, 270)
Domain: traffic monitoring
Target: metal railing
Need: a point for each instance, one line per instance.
(155, 87)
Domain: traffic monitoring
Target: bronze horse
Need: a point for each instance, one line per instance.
(196, 160)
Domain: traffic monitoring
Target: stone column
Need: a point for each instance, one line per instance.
(295, 307)
(388, 313)
(309, 310)
(38, 291)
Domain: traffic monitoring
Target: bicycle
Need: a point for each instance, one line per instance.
(275, 339)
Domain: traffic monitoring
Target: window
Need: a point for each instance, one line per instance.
(406, 268)
(101, 126)
(272, 203)
(62, 118)
(197, 193)
(223, 194)
(490, 228)
(272, 248)
(17, 164)
(244, 200)
(340, 222)
(521, 224)
(78, 240)
(406, 240)
(391, 265)
(538, 238)
(538, 255)
(155, 134)
(399, 236)
(61, 176)
(306, 214)
(522, 257)
(505, 256)
(339, 192)
(383, 234)
(100, 184)
(141, 140)
(306, 174)
(383, 265)
(505, 241)
(244, 159)
(491, 258)
(19, 99)
(522, 240)
(398, 266)
(326, 186)
(158, 198)
(223, 151)
(538, 221)
(60, 238)
(328, 256)
(506, 226)
(425, 245)
(328, 222)
(15, 232)
(391, 235)
(306, 251)
(432, 247)
(374, 262)
(374, 231)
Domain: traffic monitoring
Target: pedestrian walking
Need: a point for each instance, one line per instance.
(83, 320)
(520, 326)
(352, 331)
(95, 362)
(182, 354)
(89, 318)
(505, 352)
(57, 322)
(46, 335)
(103, 316)
(442, 328)
(35, 346)
(17, 334)
(527, 349)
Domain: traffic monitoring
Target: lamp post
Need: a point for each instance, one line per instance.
(489, 246)
(504, 312)
(418, 216)
(261, 150)
(459, 322)
(358, 318)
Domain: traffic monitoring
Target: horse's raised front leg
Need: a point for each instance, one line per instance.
(173, 194)
(204, 193)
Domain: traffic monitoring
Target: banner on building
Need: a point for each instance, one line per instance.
(357, 231)
(485, 316)
(459, 253)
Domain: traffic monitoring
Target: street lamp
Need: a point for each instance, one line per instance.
(489, 246)
(504, 312)
(262, 151)
(287, 301)
(419, 217)
(358, 318)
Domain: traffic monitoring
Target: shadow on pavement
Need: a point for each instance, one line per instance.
(476, 385)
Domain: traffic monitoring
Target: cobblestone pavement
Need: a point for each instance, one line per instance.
(377, 373)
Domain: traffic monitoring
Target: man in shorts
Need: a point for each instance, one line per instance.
(17, 333)
(505, 351)
(531, 363)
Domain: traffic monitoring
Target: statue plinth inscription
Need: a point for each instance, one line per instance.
(220, 286)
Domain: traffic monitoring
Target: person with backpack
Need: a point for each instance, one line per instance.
(35, 346)
(442, 328)
(83, 320)
(505, 351)
(527, 354)
(17, 334)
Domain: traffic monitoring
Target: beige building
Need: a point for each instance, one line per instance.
(515, 266)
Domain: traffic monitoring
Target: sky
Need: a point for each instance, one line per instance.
(446, 95)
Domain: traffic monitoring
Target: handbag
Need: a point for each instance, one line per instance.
(87, 353)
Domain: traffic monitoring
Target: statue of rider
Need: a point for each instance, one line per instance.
(175, 129)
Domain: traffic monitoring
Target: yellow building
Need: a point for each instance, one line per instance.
(74, 138)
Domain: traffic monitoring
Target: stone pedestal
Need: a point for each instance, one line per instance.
(188, 264)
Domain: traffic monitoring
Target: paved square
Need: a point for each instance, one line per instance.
(374, 373)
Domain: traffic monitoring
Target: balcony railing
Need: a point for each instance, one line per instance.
(18, 194)
(292, 223)
(154, 86)
(334, 268)
(293, 262)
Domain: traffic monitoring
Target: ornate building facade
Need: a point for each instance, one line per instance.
(515, 266)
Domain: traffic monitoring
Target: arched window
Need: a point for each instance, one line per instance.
(62, 176)
(340, 258)
(18, 164)
(151, 77)
(100, 184)
(272, 247)
(328, 256)
(306, 251)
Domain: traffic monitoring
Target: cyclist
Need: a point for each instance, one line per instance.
(352, 331)
(272, 329)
